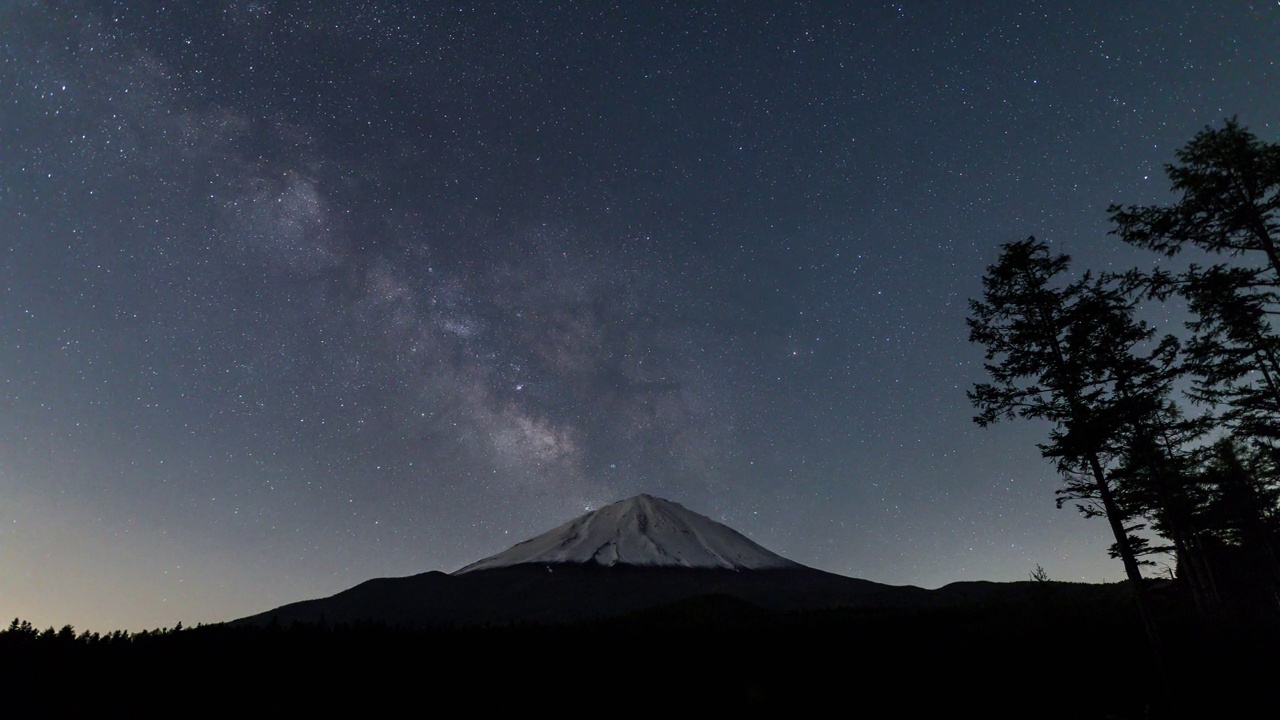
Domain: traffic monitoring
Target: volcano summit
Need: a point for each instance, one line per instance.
(637, 553)
(643, 531)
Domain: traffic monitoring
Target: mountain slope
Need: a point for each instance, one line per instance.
(638, 553)
(643, 531)
(573, 592)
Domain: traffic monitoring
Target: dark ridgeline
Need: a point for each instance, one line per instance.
(1026, 649)
(574, 592)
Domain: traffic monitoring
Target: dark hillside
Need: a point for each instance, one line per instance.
(1032, 656)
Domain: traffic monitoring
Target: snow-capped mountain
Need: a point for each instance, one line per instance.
(639, 553)
(644, 531)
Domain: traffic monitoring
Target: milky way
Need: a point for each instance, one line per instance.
(296, 295)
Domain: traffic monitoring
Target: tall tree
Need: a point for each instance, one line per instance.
(1227, 183)
(1160, 478)
(1242, 511)
(1234, 352)
(1073, 354)
(1229, 186)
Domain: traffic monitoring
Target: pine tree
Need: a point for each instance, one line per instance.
(1229, 182)
(1228, 187)
(1160, 477)
(1234, 352)
(1242, 520)
(1072, 353)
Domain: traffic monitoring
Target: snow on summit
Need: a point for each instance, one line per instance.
(643, 530)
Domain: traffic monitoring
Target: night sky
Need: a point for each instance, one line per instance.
(296, 295)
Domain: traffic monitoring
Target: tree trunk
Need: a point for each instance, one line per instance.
(1127, 557)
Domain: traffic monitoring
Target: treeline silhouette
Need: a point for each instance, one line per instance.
(1172, 438)
(1017, 649)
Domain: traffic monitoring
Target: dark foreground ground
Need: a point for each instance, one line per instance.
(1047, 650)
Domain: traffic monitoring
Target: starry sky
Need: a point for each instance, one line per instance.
(293, 295)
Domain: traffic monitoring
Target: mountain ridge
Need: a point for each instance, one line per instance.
(631, 555)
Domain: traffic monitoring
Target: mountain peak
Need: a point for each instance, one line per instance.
(643, 530)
